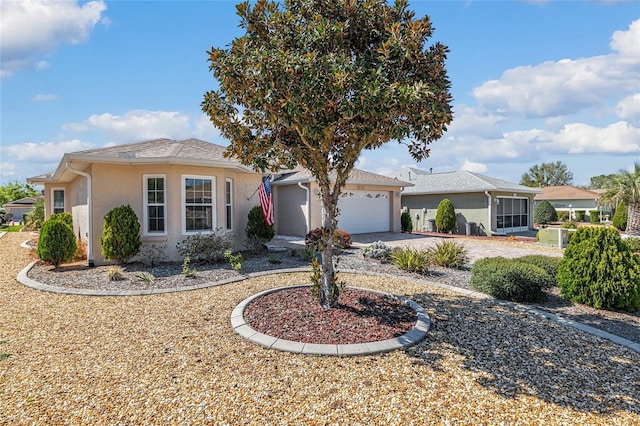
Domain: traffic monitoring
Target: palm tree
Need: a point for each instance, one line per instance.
(626, 186)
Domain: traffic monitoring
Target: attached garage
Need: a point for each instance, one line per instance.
(365, 211)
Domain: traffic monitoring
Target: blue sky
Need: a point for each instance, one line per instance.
(532, 81)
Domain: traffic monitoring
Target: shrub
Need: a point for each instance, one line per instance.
(187, 270)
(563, 216)
(548, 263)
(580, 215)
(633, 243)
(410, 259)
(594, 216)
(257, 230)
(203, 248)
(56, 243)
(570, 225)
(115, 273)
(405, 222)
(445, 216)
(621, 216)
(120, 238)
(509, 279)
(599, 270)
(235, 260)
(63, 217)
(378, 250)
(341, 239)
(35, 218)
(449, 254)
(544, 213)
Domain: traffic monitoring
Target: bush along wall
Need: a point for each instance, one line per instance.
(594, 216)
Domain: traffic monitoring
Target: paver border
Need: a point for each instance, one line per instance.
(412, 337)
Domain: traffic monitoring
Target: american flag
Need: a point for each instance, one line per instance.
(265, 200)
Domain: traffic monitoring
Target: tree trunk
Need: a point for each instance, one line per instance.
(329, 289)
(633, 221)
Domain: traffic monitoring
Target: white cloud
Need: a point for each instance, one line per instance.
(137, 125)
(473, 167)
(49, 23)
(626, 42)
(44, 97)
(629, 109)
(38, 152)
(205, 130)
(7, 169)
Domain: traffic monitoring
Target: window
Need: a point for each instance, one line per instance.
(228, 202)
(155, 208)
(57, 200)
(198, 198)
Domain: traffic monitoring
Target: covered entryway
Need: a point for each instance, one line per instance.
(513, 214)
(365, 211)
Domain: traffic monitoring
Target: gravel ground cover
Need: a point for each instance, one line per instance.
(173, 359)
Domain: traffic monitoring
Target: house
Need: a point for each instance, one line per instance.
(489, 205)
(182, 188)
(570, 199)
(15, 210)
(369, 202)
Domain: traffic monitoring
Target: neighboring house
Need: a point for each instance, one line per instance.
(18, 208)
(493, 206)
(369, 203)
(182, 188)
(570, 199)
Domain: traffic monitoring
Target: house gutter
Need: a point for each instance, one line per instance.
(308, 215)
(90, 261)
(489, 214)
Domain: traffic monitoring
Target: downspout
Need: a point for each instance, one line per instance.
(308, 215)
(489, 209)
(89, 213)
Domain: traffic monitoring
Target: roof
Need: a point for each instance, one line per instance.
(566, 192)
(454, 182)
(356, 177)
(157, 151)
(24, 202)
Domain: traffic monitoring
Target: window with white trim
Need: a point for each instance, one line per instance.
(198, 199)
(57, 200)
(228, 203)
(155, 206)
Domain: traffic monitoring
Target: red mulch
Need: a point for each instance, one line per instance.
(361, 316)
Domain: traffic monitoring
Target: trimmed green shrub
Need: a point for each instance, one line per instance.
(445, 216)
(580, 215)
(63, 217)
(544, 213)
(405, 222)
(205, 248)
(257, 230)
(563, 216)
(621, 216)
(410, 259)
(570, 225)
(510, 279)
(56, 243)
(599, 270)
(594, 216)
(449, 254)
(341, 239)
(548, 263)
(633, 243)
(120, 238)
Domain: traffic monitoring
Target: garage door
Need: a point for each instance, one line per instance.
(365, 211)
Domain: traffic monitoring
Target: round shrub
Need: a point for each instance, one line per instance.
(544, 213)
(580, 215)
(63, 217)
(120, 238)
(378, 250)
(405, 222)
(510, 279)
(57, 243)
(621, 216)
(548, 263)
(599, 270)
(594, 216)
(445, 216)
(257, 230)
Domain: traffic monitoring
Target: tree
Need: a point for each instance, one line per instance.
(15, 191)
(600, 181)
(314, 82)
(625, 186)
(547, 174)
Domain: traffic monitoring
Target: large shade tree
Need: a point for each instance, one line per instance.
(625, 186)
(547, 174)
(314, 82)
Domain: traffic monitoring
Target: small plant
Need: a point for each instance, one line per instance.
(570, 225)
(115, 273)
(81, 250)
(120, 238)
(204, 248)
(445, 216)
(257, 230)
(341, 239)
(410, 259)
(235, 260)
(449, 254)
(187, 270)
(148, 278)
(308, 253)
(405, 222)
(274, 260)
(378, 250)
(510, 279)
(35, 218)
(544, 213)
(4, 356)
(56, 243)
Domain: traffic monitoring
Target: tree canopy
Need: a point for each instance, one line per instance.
(15, 191)
(600, 181)
(625, 186)
(314, 82)
(547, 174)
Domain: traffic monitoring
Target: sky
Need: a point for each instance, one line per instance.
(532, 82)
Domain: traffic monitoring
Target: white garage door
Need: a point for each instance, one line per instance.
(364, 211)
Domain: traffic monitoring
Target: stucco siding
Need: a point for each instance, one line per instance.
(469, 208)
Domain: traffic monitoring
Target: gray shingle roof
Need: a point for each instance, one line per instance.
(159, 148)
(454, 182)
(357, 176)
